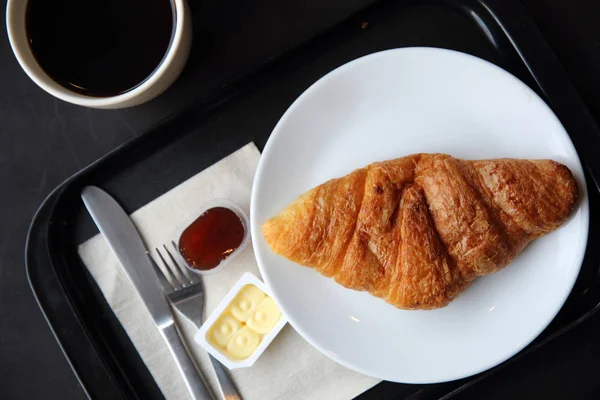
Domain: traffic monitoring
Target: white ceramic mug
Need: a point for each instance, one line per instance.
(161, 78)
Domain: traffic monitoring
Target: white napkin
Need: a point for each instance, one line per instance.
(289, 369)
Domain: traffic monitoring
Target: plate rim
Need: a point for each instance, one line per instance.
(583, 205)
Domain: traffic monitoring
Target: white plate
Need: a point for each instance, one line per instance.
(389, 105)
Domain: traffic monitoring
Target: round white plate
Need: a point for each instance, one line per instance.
(388, 105)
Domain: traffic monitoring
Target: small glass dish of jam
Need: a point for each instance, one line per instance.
(214, 237)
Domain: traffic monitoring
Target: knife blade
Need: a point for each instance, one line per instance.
(125, 242)
(127, 245)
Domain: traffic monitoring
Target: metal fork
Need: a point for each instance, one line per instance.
(185, 292)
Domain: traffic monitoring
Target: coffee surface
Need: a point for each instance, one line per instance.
(99, 47)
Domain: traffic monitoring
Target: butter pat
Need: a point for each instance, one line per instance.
(243, 344)
(221, 333)
(242, 326)
(264, 317)
(246, 301)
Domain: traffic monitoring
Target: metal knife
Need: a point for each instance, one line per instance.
(125, 241)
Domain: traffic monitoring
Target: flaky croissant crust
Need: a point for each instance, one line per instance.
(417, 230)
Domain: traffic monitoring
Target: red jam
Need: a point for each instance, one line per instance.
(211, 238)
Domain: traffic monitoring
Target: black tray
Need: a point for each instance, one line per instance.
(247, 109)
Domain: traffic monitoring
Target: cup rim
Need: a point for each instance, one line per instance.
(67, 95)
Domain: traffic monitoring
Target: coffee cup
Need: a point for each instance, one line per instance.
(44, 67)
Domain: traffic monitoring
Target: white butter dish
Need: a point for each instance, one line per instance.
(224, 306)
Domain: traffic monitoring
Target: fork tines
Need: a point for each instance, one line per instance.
(173, 275)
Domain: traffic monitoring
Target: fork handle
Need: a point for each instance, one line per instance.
(226, 386)
(193, 380)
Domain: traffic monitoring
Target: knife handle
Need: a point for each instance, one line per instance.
(193, 380)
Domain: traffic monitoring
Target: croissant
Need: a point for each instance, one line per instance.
(417, 230)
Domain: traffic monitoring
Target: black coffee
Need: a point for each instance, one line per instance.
(99, 47)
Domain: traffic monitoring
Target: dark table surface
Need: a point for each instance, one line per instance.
(43, 141)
